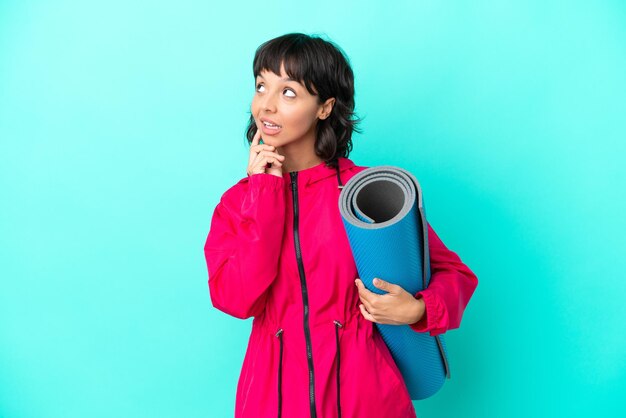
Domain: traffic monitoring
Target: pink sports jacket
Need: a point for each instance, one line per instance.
(277, 251)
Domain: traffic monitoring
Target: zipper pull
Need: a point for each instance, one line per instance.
(294, 175)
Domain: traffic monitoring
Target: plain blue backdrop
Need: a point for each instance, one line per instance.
(122, 123)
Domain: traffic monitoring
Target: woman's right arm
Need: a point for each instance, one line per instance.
(242, 249)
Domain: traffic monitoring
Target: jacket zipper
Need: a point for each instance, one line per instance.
(305, 298)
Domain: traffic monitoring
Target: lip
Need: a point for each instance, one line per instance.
(269, 131)
(270, 121)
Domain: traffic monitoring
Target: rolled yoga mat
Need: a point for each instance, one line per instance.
(385, 220)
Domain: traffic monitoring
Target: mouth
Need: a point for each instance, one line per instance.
(270, 128)
(270, 125)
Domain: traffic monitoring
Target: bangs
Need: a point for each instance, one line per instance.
(295, 54)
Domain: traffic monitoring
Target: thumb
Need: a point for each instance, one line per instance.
(381, 284)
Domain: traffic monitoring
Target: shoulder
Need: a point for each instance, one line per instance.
(352, 169)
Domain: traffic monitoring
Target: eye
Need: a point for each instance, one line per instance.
(290, 91)
(258, 86)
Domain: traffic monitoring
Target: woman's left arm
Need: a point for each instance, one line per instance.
(451, 286)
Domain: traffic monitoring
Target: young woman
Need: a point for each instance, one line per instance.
(277, 251)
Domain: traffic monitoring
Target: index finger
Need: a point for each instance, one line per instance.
(255, 139)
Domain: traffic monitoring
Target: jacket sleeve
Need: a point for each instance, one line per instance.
(450, 288)
(242, 249)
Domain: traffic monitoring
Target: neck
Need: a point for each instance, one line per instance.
(299, 164)
(299, 156)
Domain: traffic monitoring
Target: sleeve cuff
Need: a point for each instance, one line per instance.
(266, 180)
(432, 313)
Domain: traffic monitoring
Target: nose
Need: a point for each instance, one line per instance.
(269, 102)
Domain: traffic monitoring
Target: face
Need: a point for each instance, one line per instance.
(285, 111)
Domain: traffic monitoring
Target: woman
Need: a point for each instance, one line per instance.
(277, 251)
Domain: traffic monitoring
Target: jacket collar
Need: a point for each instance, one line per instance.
(319, 172)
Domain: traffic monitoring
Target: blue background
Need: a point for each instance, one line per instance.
(122, 123)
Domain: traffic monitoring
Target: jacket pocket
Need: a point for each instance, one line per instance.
(338, 325)
(279, 335)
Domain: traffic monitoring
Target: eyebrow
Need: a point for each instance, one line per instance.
(283, 79)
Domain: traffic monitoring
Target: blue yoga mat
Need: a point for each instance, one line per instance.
(383, 213)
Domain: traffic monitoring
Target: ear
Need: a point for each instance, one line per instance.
(326, 108)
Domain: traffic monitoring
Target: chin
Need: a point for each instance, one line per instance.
(270, 140)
